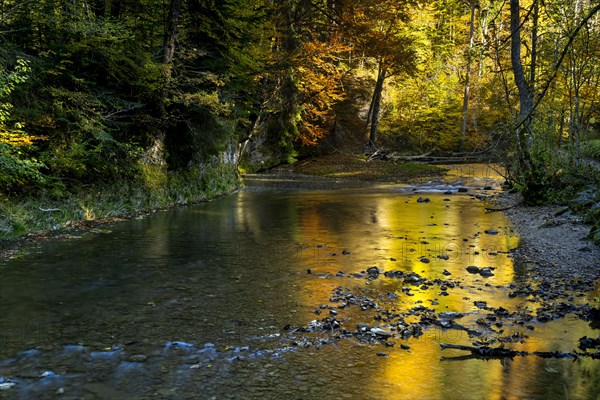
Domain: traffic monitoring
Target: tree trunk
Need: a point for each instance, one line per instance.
(534, 40)
(376, 104)
(99, 8)
(156, 153)
(468, 76)
(171, 32)
(115, 9)
(523, 130)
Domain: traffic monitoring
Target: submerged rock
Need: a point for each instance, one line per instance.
(472, 269)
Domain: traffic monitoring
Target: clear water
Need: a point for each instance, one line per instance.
(191, 303)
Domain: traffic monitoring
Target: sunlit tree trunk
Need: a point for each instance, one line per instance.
(468, 75)
(526, 105)
(534, 43)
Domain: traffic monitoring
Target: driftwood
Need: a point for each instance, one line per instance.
(485, 352)
(499, 352)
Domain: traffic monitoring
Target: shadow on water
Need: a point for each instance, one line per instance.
(191, 303)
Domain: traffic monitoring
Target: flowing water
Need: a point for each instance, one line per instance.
(217, 301)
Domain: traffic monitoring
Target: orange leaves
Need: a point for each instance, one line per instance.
(318, 73)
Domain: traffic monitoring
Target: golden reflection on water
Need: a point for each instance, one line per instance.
(394, 232)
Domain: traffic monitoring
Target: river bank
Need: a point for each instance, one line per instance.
(25, 219)
(554, 241)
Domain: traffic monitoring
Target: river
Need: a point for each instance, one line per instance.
(246, 296)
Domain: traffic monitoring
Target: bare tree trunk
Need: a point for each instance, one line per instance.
(376, 104)
(534, 40)
(526, 105)
(468, 76)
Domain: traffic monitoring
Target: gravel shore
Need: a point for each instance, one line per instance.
(553, 241)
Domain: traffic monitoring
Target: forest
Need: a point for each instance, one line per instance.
(166, 102)
(404, 199)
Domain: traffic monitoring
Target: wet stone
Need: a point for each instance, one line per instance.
(472, 269)
(380, 332)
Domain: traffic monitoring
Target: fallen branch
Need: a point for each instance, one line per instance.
(485, 352)
(499, 352)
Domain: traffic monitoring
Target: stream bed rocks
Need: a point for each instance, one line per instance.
(383, 321)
